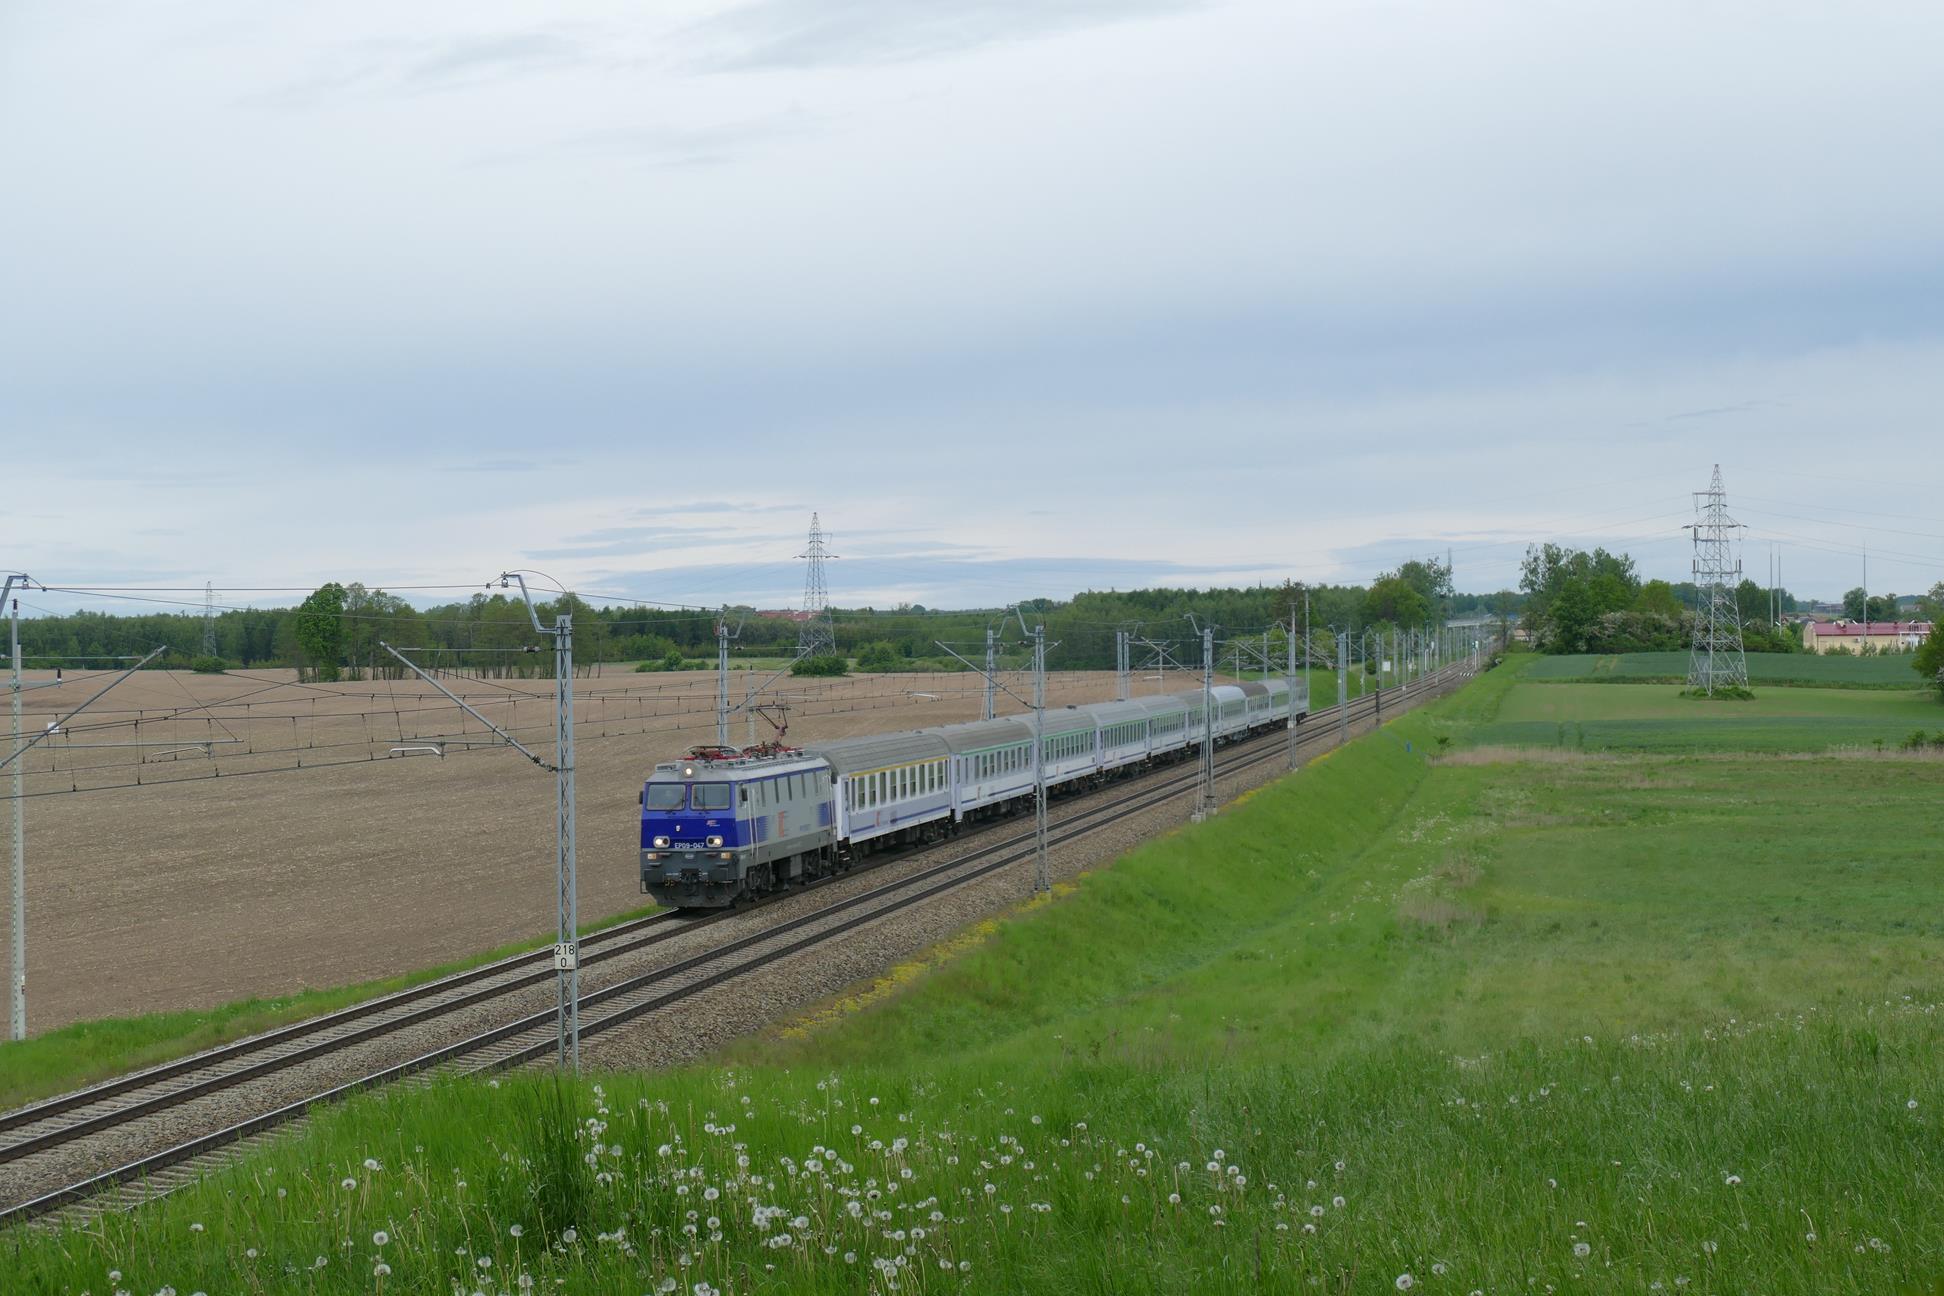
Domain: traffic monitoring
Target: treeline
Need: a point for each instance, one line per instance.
(338, 632)
(1577, 601)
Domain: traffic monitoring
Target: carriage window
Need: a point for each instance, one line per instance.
(710, 796)
(665, 796)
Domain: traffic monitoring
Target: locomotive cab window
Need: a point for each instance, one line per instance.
(710, 796)
(665, 796)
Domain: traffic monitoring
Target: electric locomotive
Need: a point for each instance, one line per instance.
(722, 824)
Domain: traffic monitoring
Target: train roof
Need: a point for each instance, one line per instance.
(1254, 688)
(697, 769)
(852, 755)
(977, 735)
(1062, 720)
(1161, 704)
(1111, 713)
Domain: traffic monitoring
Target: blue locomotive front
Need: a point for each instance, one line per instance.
(723, 824)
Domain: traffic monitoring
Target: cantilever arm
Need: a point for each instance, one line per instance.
(515, 742)
(56, 727)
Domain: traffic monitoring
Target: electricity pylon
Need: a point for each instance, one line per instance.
(1716, 660)
(817, 637)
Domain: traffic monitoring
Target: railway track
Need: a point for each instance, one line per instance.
(69, 1118)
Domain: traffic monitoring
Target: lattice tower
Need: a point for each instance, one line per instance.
(209, 619)
(817, 638)
(1717, 659)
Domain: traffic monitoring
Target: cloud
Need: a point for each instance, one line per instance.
(661, 145)
(624, 541)
(471, 59)
(835, 33)
(505, 465)
(1716, 411)
(407, 65)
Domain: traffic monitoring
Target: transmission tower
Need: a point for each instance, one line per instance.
(817, 638)
(209, 619)
(1717, 660)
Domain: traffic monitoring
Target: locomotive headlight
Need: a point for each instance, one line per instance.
(661, 843)
(712, 841)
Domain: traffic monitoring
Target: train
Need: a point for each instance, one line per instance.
(725, 824)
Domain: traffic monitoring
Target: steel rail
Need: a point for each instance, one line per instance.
(1070, 829)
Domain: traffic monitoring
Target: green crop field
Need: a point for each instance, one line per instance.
(1797, 670)
(1655, 717)
(1436, 1013)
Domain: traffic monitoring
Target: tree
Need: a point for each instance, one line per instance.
(1657, 598)
(1929, 661)
(1396, 601)
(1931, 606)
(319, 628)
(1570, 617)
(1752, 602)
(1880, 607)
(1504, 604)
(1429, 577)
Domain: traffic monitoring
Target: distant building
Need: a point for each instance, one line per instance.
(1850, 636)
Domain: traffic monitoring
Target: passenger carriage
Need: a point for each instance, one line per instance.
(894, 788)
(991, 764)
(1123, 733)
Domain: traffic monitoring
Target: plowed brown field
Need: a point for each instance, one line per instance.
(192, 890)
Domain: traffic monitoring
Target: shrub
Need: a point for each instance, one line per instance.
(831, 664)
(205, 665)
(879, 656)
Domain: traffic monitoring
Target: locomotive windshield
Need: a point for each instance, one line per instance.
(664, 796)
(710, 796)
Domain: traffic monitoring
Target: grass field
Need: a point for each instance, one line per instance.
(1439, 1016)
(1655, 717)
(1797, 670)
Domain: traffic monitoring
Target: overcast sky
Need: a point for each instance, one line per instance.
(1023, 296)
